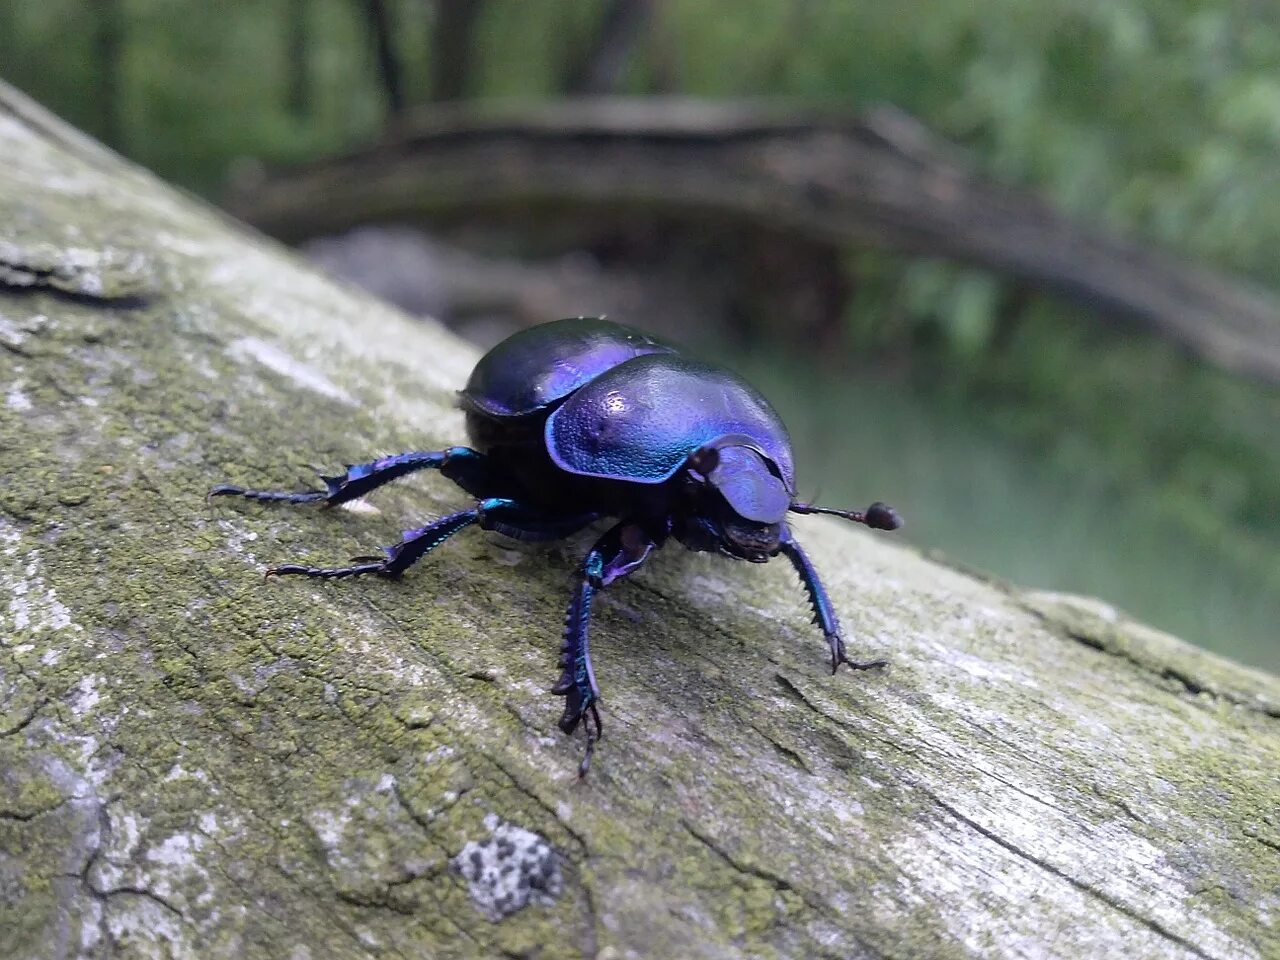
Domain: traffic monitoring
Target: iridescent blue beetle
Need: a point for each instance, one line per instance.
(582, 419)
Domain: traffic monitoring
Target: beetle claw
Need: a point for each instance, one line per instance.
(579, 709)
(838, 656)
(592, 737)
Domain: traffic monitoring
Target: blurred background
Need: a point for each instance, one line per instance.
(1007, 265)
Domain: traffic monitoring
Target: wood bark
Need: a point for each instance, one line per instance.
(198, 763)
(880, 179)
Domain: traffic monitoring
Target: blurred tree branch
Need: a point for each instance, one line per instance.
(881, 179)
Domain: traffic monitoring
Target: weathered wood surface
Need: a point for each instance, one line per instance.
(880, 180)
(198, 763)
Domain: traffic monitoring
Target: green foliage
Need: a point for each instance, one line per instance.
(1157, 116)
(1161, 117)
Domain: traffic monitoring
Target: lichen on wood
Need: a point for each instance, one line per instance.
(198, 763)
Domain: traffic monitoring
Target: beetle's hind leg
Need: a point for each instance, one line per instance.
(469, 469)
(413, 546)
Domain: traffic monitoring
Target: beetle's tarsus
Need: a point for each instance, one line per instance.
(592, 737)
(329, 573)
(838, 657)
(268, 496)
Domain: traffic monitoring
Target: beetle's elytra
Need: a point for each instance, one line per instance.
(575, 421)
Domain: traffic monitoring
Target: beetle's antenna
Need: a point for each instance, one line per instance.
(878, 516)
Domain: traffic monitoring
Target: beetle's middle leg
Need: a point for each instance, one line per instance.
(504, 516)
(468, 468)
(621, 551)
(509, 517)
(824, 613)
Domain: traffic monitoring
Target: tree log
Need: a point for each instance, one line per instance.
(880, 180)
(198, 763)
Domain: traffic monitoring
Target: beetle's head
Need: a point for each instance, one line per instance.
(742, 500)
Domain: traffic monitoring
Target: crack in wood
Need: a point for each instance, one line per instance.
(1102, 896)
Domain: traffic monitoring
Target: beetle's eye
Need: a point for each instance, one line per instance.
(704, 460)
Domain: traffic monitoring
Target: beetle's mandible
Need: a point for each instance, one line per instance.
(578, 420)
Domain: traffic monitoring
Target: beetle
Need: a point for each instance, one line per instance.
(583, 419)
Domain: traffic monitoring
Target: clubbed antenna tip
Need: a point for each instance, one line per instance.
(878, 516)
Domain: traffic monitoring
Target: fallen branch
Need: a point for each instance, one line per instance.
(879, 180)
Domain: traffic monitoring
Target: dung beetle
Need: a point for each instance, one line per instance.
(582, 419)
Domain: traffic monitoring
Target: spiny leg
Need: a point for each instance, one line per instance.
(466, 467)
(824, 613)
(413, 546)
(622, 550)
(496, 513)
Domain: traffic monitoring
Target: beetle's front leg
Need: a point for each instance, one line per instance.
(622, 550)
(824, 613)
(467, 468)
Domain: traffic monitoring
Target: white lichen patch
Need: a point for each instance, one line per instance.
(363, 507)
(16, 400)
(509, 870)
(87, 696)
(370, 840)
(278, 360)
(237, 536)
(143, 928)
(178, 850)
(172, 867)
(10, 332)
(33, 606)
(329, 827)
